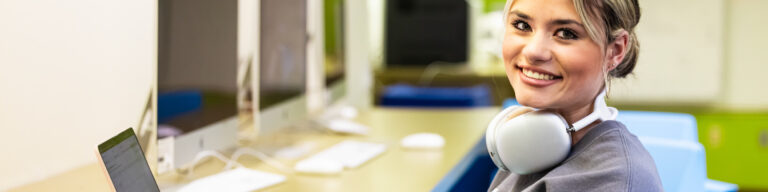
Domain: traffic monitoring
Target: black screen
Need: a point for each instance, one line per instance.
(421, 32)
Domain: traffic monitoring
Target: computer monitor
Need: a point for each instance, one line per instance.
(281, 65)
(197, 70)
(422, 32)
(335, 60)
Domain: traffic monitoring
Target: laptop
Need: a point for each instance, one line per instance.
(123, 161)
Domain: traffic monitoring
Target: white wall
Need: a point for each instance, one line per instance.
(72, 74)
(745, 62)
(709, 53)
(681, 54)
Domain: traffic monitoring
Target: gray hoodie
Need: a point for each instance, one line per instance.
(607, 158)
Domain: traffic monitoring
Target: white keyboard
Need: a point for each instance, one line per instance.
(240, 179)
(348, 153)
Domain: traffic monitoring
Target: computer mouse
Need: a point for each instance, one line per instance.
(348, 112)
(347, 127)
(422, 141)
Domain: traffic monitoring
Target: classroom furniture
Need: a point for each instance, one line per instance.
(474, 172)
(404, 95)
(176, 103)
(672, 140)
(396, 169)
(443, 76)
(680, 164)
(674, 126)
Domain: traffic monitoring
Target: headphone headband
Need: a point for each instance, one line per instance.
(600, 111)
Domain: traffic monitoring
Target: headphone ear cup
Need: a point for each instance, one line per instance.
(490, 133)
(531, 142)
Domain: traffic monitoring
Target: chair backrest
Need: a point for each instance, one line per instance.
(403, 95)
(681, 164)
(173, 104)
(675, 126)
(672, 141)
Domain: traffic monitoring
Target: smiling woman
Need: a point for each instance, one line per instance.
(559, 56)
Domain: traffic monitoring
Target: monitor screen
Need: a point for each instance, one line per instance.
(283, 48)
(125, 163)
(422, 32)
(197, 63)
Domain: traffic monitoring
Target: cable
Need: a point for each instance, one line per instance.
(232, 161)
(209, 153)
(259, 155)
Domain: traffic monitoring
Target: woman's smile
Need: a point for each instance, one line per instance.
(537, 77)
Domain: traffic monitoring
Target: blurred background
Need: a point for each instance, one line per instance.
(73, 73)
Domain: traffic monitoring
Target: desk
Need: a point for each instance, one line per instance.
(396, 169)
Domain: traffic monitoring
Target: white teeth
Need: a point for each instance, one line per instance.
(537, 75)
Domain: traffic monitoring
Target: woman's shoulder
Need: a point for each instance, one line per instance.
(614, 157)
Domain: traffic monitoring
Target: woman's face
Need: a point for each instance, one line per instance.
(549, 57)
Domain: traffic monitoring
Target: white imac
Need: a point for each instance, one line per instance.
(197, 85)
(280, 65)
(336, 65)
(334, 56)
(338, 115)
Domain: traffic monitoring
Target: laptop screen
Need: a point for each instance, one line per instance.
(124, 160)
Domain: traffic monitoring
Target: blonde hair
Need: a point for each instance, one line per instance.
(604, 20)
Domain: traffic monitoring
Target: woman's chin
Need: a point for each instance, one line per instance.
(535, 103)
(536, 98)
(542, 98)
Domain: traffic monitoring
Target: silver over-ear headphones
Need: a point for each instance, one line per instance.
(536, 140)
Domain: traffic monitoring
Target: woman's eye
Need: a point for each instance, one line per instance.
(521, 25)
(566, 34)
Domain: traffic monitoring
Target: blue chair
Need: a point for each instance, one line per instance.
(681, 164)
(509, 102)
(402, 95)
(173, 104)
(676, 126)
(672, 141)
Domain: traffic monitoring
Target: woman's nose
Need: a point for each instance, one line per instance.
(537, 49)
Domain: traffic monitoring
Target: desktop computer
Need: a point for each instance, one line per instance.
(275, 39)
(200, 66)
(347, 154)
(279, 43)
(197, 70)
(338, 112)
(335, 60)
(280, 65)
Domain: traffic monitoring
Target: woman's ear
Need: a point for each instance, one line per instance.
(617, 49)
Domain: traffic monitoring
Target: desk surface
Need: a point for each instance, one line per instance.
(397, 169)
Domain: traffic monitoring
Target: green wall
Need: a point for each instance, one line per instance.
(736, 146)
